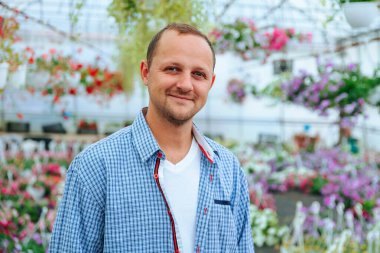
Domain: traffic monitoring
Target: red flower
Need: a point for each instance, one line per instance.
(56, 99)
(53, 169)
(98, 82)
(31, 60)
(108, 75)
(92, 125)
(90, 89)
(92, 71)
(72, 91)
(45, 92)
(82, 124)
(1, 26)
(20, 115)
(75, 66)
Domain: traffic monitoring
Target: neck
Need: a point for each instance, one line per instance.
(175, 141)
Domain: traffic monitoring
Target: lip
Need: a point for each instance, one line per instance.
(181, 97)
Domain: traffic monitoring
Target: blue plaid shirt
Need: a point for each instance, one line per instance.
(112, 201)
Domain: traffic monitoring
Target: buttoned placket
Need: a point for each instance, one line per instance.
(205, 201)
(158, 174)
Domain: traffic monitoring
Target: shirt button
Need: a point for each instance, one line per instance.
(205, 211)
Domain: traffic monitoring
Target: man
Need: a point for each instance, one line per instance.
(159, 185)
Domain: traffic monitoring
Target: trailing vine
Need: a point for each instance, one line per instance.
(139, 20)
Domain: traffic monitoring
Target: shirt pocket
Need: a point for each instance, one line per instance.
(226, 226)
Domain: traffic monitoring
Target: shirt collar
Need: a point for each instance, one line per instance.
(147, 145)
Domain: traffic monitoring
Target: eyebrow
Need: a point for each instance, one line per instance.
(199, 68)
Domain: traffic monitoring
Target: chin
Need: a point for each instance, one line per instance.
(179, 119)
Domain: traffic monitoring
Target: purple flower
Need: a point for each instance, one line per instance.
(340, 97)
(330, 188)
(324, 80)
(37, 238)
(324, 104)
(350, 108)
(296, 84)
(333, 88)
(346, 122)
(330, 200)
(352, 67)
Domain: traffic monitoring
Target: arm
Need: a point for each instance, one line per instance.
(245, 241)
(79, 225)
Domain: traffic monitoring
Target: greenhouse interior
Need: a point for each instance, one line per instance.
(296, 99)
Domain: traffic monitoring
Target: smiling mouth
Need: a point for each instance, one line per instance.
(181, 97)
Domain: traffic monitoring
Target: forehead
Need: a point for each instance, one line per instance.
(174, 45)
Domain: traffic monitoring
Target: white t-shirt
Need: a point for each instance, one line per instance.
(181, 183)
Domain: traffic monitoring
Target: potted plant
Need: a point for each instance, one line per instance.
(87, 127)
(360, 13)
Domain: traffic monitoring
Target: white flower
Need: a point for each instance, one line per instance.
(259, 239)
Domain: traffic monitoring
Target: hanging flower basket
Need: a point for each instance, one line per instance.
(361, 14)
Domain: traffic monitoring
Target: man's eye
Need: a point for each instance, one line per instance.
(199, 74)
(172, 69)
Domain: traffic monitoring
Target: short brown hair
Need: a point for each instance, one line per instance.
(181, 29)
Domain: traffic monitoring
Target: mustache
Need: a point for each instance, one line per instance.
(182, 94)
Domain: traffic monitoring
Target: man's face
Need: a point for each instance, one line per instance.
(180, 76)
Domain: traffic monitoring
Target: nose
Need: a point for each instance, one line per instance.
(185, 82)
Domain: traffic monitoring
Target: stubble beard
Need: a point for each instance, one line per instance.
(167, 111)
(169, 114)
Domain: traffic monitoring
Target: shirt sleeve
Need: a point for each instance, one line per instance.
(245, 241)
(79, 225)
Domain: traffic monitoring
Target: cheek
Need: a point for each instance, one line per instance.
(202, 90)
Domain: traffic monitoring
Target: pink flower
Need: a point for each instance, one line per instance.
(278, 40)
(291, 31)
(216, 33)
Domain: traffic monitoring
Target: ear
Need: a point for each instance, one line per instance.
(144, 71)
(213, 80)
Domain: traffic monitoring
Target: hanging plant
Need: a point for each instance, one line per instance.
(139, 20)
(8, 29)
(249, 42)
(64, 75)
(236, 90)
(343, 89)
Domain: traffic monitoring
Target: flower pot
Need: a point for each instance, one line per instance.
(18, 127)
(56, 128)
(3, 74)
(17, 79)
(87, 131)
(361, 14)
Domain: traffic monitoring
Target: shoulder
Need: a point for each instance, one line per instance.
(105, 148)
(91, 164)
